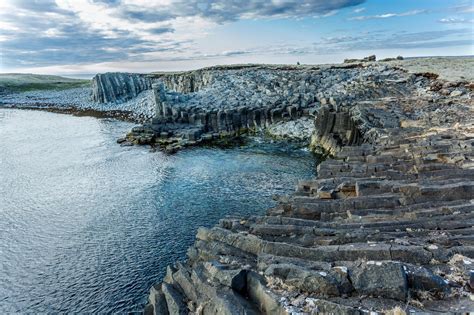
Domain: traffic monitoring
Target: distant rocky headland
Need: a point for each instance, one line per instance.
(387, 225)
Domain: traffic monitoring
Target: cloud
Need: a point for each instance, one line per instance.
(161, 30)
(234, 52)
(49, 32)
(410, 40)
(465, 8)
(388, 15)
(338, 39)
(456, 21)
(221, 11)
(330, 13)
(367, 41)
(57, 33)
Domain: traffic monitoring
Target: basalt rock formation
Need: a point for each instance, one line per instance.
(212, 103)
(365, 59)
(113, 87)
(387, 225)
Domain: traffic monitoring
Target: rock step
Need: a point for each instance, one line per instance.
(308, 236)
(369, 170)
(413, 212)
(315, 209)
(446, 222)
(387, 223)
(349, 252)
(450, 237)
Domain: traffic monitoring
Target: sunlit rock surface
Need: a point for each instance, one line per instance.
(385, 226)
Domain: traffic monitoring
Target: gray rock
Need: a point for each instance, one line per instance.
(266, 300)
(380, 278)
(112, 87)
(156, 302)
(232, 278)
(174, 300)
(423, 279)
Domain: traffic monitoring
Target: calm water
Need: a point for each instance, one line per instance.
(89, 226)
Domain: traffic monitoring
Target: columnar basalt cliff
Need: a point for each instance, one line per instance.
(212, 103)
(387, 226)
(113, 87)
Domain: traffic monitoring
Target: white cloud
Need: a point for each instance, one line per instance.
(388, 15)
(465, 8)
(456, 21)
(52, 32)
(330, 13)
(74, 36)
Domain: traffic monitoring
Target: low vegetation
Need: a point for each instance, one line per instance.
(19, 82)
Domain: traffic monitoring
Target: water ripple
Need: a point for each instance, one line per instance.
(87, 226)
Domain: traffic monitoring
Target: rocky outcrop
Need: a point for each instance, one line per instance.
(187, 81)
(113, 87)
(365, 59)
(295, 130)
(386, 225)
(336, 128)
(219, 102)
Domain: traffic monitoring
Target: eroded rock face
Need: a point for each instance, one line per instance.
(336, 128)
(113, 87)
(386, 224)
(219, 102)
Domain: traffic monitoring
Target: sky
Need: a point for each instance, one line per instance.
(82, 37)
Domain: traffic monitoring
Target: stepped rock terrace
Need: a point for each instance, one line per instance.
(385, 227)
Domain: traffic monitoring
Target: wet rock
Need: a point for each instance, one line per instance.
(157, 304)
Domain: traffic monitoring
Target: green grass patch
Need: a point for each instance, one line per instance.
(15, 82)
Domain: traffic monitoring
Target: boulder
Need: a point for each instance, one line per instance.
(261, 296)
(380, 278)
(422, 279)
(174, 300)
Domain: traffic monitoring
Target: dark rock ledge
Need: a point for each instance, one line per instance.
(386, 227)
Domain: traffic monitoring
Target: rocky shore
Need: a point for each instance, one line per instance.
(387, 225)
(210, 104)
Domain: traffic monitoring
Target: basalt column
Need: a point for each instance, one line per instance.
(159, 97)
(335, 128)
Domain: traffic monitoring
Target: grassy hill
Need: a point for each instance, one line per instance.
(20, 82)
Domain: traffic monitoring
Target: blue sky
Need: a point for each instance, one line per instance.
(73, 37)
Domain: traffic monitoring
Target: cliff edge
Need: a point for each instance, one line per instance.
(385, 227)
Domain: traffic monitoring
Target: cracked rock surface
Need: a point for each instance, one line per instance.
(387, 225)
(226, 101)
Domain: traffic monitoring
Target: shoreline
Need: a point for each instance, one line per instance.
(114, 114)
(400, 171)
(363, 235)
(92, 184)
(241, 140)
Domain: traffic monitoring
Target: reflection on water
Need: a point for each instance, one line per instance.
(89, 226)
